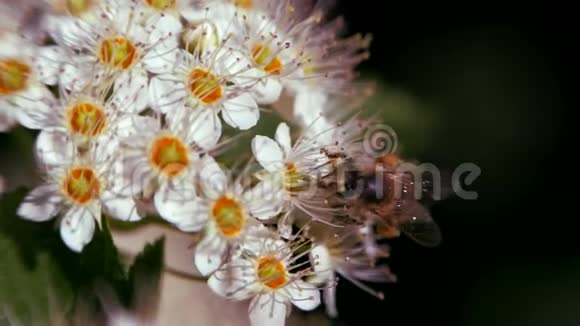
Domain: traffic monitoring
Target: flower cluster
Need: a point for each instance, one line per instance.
(130, 98)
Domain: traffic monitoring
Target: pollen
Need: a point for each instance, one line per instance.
(78, 7)
(205, 86)
(228, 216)
(86, 119)
(81, 185)
(118, 52)
(264, 57)
(271, 272)
(14, 76)
(169, 155)
(160, 4)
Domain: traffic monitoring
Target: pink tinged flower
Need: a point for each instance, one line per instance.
(347, 253)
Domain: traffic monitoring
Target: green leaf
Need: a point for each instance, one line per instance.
(145, 279)
(33, 287)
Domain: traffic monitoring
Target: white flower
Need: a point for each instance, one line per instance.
(91, 117)
(199, 82)
(120, 45)
(351, 253)
(78, 189)
(265, 270)
(161, 162)
(228, 213)
(24, 69)
(292, 173)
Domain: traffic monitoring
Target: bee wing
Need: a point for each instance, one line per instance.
(416, 222)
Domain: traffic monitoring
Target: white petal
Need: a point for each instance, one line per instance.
(130, 93)
(160, 59)
(209, 253)
(241, 112)
(120, 207)
(205, 128)
(75, 33)
(266, 199)
(283, 138)
(130, 125)
(303, 295)
(265, 310)
(48, 64)
(41, 204)
(267, 92)
(54, 148)
(77, 228)
(166, 95)
(178, 204)
(322, 264)
(309, 106)
(34, 107)
(268, 153)
(213, 179)
(234, 280)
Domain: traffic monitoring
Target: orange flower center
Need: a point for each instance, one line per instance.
(264, 57)
(86, 119)
(271, 272)
(246, 4)
(81, 185)
(118, 52)
(169, 155)
(13, 76)
(78, 7)
(228, 216)
(160, 4)
(205, 86)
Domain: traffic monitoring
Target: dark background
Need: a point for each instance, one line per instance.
(488, 86)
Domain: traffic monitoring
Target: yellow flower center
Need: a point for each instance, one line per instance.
(205, 86)
(264, 57)
(228, 216)
(169, 155)
(81, 185)
(271, 272)
(78, 7)
(86, 119)
(118, 52)
(13, 76)
(160, 4)
(294, 181)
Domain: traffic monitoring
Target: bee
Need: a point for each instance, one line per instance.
(386, 192)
